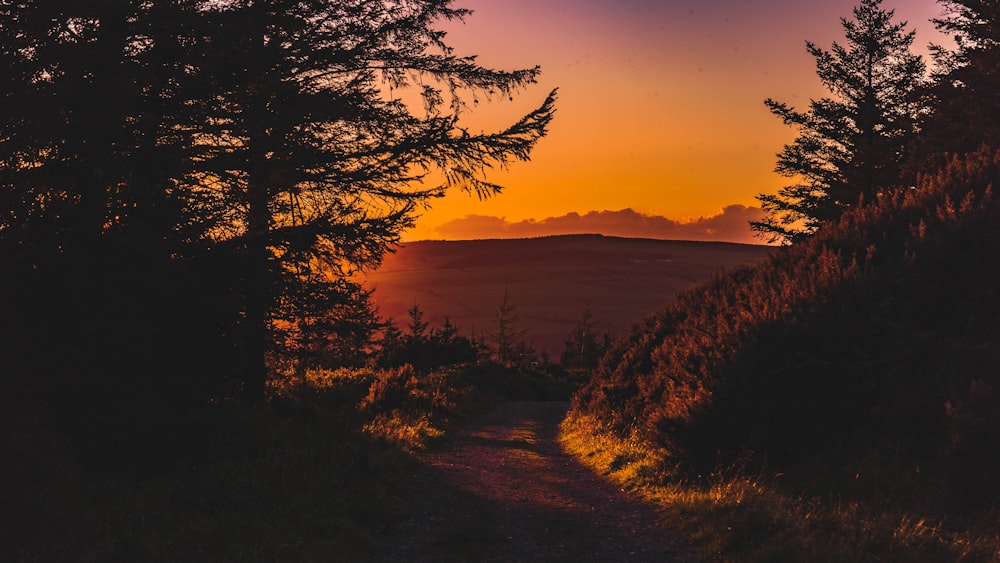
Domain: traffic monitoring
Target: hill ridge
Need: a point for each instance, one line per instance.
(551, 280)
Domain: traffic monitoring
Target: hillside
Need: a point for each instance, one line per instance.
(860, 364)
(551, 280)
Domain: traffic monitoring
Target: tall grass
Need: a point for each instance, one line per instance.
(860, 365)
(735, 515)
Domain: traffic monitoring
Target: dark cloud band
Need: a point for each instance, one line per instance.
(731, 225)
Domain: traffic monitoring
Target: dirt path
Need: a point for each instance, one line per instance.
(504, 490)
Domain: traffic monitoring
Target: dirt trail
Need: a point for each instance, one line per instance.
(504, 490)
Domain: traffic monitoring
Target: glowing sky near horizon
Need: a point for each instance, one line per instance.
(660, 101)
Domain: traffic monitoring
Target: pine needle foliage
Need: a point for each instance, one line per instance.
(851, 144)
(273, 147)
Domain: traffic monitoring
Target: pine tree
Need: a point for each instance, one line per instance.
(313, 155)
(320, 327)
(93, 134)
(850, 145)
(391, 347)
(508, 334)
(583, 347)
(962, 97)
(447, 333)
(266, 149)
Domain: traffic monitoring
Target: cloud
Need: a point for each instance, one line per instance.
(730, 225)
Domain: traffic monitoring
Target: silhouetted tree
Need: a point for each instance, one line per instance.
(276, 145)
(448, 347)
(417, 325)
(93, 133)
(310, 152)
(507, 334)
(447, 333)
(92, 121)
(390, 346)
(422, 350)
(962, 96)
(852, 144)
(317, 327)
(480, 343)
(584, 346)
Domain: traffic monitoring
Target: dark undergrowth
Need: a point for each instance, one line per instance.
(313, 476)
(852, 378)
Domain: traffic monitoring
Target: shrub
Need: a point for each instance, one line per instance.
(390, 389)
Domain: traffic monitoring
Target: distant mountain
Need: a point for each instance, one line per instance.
(551, 280)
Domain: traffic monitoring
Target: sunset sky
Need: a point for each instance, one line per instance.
(660, 110)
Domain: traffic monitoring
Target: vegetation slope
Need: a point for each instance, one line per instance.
(858, 365)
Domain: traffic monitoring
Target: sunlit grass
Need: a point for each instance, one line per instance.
(527, 434)
(406, 430)
(732, 515)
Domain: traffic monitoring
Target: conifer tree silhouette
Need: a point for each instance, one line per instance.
(279, 144)
(850, 145)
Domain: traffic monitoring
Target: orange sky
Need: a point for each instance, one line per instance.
(660, 102)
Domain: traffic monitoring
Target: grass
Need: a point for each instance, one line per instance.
(735, 516)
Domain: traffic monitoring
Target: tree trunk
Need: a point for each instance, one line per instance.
(257, 298)
(258, 276)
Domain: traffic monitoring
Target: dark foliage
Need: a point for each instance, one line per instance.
(877, 339)
(187, 188)
(423, 349)
(850, 145)
(508, 336)
(585, 346)
(961, 101)
(192, 183)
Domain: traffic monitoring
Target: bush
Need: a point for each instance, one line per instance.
(390, 389)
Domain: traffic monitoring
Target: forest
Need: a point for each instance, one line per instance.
(192, 371)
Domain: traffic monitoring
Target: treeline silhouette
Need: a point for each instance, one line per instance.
(505, 344)
(859, 362)
(187, 187)
(187, 190)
